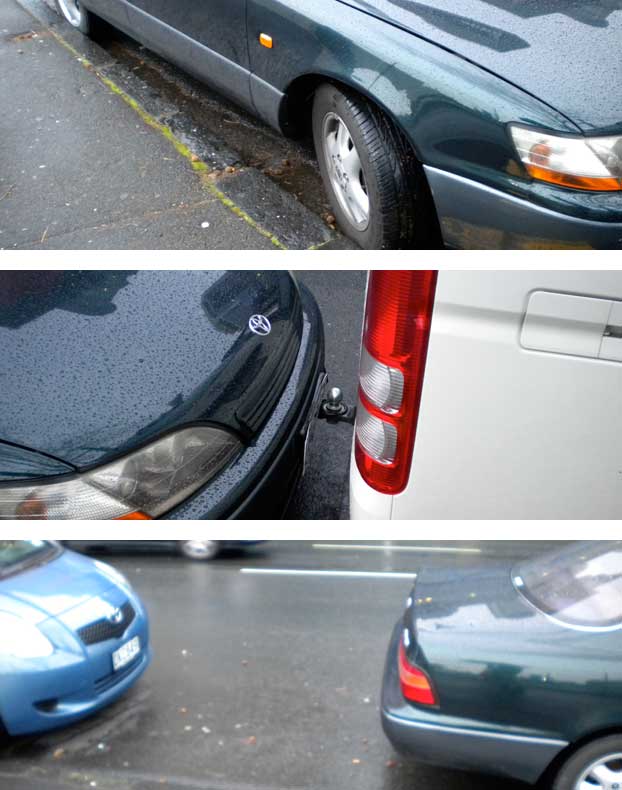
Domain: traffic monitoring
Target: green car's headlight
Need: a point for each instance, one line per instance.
(145, 484)
(589, 163)
(21, 639)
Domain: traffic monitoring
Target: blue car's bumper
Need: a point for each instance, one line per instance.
(75, 681)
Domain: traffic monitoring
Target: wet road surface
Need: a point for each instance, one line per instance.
(258, 681)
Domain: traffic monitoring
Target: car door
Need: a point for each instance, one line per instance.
(205, 37)
(520, 414)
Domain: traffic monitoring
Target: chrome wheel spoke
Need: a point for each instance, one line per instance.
(360, 202)
(604, 774)
(71, 11)
(352, 164)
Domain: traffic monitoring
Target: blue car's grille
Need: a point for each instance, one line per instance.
(104, 629)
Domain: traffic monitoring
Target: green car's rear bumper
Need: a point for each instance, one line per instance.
(429, 736)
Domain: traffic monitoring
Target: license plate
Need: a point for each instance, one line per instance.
(126, 654)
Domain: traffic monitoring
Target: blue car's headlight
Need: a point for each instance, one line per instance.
(21, 639)
(144, 484)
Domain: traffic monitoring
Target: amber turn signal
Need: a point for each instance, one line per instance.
(574, 182)
(137, 515)
(266, 41)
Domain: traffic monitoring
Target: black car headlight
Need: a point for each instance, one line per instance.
(589, 163)
(145, 484)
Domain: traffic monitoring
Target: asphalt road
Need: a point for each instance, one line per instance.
(104, 145)
(259, 682)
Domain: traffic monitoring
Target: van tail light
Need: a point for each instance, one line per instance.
(415, 684)
(396, 331)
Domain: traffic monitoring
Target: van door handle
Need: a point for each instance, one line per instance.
(581, 326)
(611, 344)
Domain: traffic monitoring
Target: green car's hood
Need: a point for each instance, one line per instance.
(564, 52)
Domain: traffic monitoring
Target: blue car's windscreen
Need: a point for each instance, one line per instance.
(580, 585)
(17, 555)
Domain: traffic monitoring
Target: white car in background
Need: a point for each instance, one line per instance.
(490, 394)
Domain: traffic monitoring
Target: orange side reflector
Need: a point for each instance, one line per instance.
(138, 515)
(575, 182)
(266, 41)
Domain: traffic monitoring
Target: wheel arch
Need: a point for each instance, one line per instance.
(295, 112)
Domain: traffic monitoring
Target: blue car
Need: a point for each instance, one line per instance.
(73, 636)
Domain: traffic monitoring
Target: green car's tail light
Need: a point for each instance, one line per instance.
(415, 684)
(396, 331)
(590, 163)
(144, 484)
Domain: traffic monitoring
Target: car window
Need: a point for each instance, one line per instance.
(17, 555)
(580, 585)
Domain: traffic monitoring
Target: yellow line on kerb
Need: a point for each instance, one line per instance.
(196, 164)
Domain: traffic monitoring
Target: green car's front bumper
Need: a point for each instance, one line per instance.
(473, 215)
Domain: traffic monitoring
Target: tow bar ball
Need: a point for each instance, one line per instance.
(334, 409)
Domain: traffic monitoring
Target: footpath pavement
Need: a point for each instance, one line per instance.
(91, 158)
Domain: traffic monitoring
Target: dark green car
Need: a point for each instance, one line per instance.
(464, 123)
(514, 671)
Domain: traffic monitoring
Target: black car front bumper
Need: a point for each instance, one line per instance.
(464, 744)
(262, 480)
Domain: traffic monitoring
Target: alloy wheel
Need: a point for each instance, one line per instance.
(71, 11)
(603, 774)
(345, 171)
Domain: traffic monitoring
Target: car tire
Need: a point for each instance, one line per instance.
(604, 753)
(376, 186)
(79, 17)
(199, 550)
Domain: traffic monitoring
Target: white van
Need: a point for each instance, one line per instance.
(490, 394)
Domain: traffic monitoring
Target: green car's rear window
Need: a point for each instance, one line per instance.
(580, 585)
